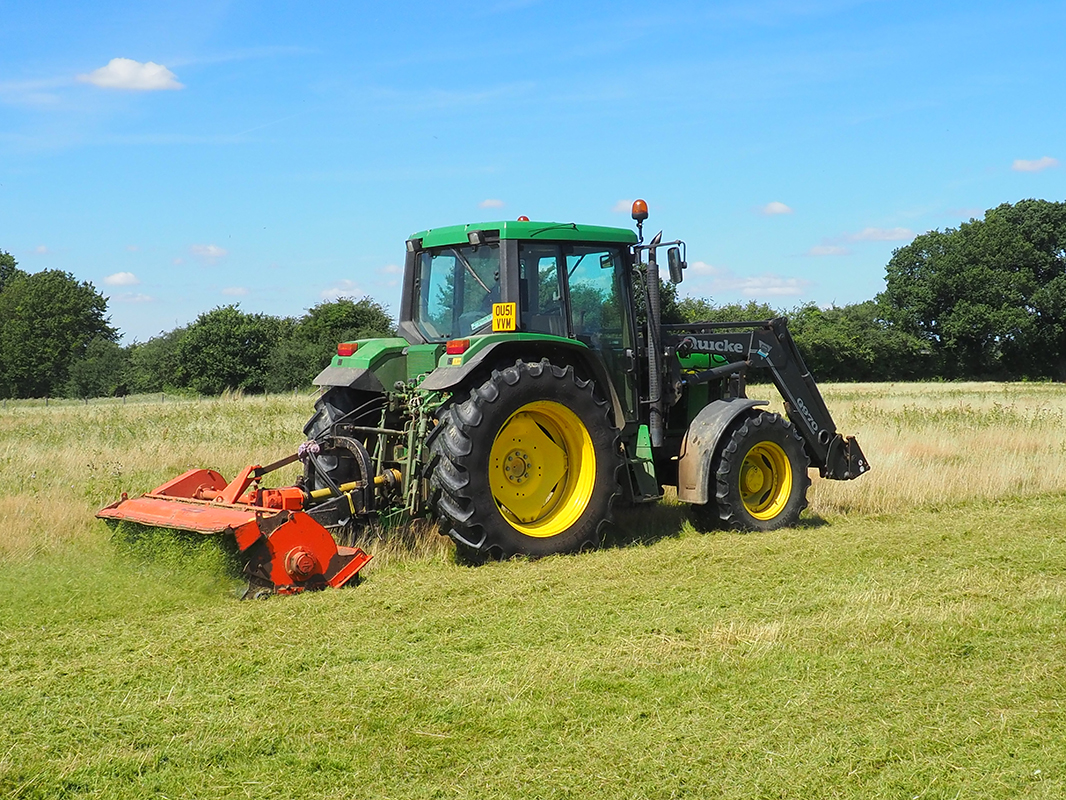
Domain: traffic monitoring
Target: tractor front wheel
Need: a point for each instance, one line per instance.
(760, 476)
(528, 465)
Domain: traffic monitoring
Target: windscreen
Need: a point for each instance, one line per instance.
(456, 288)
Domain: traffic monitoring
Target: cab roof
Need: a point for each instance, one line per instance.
(522, 229)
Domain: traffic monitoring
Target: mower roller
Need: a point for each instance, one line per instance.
(287, 550)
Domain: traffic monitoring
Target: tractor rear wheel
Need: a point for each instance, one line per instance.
(760, 475)
(528, 465)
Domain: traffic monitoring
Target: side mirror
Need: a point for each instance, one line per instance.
(677, 266)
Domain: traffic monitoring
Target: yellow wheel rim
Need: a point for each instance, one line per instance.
(542, 469)
(765, 480)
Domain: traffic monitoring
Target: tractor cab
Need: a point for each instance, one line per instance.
(566, 280)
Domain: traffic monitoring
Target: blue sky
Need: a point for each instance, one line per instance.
(188, 155)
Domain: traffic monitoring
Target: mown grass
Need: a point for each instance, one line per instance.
(907, 649)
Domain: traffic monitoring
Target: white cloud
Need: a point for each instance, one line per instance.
(828, 250)
(178, 262)
(492, 202)
(235, 291)
(208, 252)
(723, 281)
(342, 288)
(132, 248)
(703, 268)
(132, 297)
(774, 208)
(125, 73)
(835, 246)
(1036, 165)
(622, 207)
(771, 285)
(882, 235)
(122, 279)
(41, 250)
(392, 269)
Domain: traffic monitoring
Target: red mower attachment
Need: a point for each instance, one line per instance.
(288, 551)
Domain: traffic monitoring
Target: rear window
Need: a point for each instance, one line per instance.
(456, 289)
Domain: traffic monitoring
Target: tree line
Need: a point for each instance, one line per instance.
(56, 341)
(986, 301)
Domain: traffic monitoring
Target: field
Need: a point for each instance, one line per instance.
(905, 641)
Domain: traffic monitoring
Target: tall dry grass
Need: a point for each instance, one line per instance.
(932, 446)
(942, 445)
(59, 464)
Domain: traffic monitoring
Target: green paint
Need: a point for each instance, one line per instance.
(372, 353)
(547, 231)
(479, 343)
(392, 359)
(422, 358)
(702, 361)
(642, 465)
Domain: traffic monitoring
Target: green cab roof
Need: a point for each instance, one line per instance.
(514, 229)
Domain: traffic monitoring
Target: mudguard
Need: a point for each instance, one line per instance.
(351, 377)
(445, 378)
(701, 441)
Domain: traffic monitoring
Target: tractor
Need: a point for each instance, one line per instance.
(532, 389)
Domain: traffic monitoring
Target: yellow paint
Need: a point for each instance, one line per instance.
(765, 480)
(542, 469)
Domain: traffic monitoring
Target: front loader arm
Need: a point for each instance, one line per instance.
(768, 345)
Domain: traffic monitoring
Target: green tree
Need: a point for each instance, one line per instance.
(989, 297)
(153, 365)
(700, 309)
(47, 320)
(307, 344)
(100, 372)
(9, 269)
(345, 320)
(856, 343)
(226, 348)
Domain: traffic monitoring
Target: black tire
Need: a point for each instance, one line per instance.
(347, 405)
(344, 458)
(528, 465)
(760, 475)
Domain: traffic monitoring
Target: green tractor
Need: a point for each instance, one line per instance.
(533, 390)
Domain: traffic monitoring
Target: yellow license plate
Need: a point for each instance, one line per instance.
(504, 317)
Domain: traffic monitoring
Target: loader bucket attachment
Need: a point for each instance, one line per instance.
(288, 552)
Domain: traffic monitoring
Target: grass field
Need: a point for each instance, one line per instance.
(905, 641)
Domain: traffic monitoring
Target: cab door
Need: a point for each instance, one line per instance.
(582, 291)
